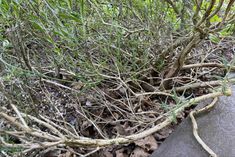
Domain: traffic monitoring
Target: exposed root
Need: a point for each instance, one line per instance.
(195, 127)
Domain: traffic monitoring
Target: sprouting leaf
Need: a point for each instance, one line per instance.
(215, 18)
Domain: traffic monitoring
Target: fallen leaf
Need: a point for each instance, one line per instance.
(148, 143)
(122, 153)
(67, 154)
(107, 152)
(139, 152)
(119, 130)
(163, 133)
(77, 85)
(88, 103)
(52, 153)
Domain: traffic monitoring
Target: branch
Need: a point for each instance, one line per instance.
(195, 127)
(217, 9)
(77, 142)
(231, 67)
(196, 13)
(178, 63)
(203, 84)
(177, 43)
(207, 13)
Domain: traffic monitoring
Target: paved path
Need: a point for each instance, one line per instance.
(216, 128)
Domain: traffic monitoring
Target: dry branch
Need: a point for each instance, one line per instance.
(52, 140)
(231, 67)
(195, 126)
(203, 84)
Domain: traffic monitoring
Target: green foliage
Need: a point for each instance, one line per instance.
(9, 150)
(214, 38)
(215, 19)
(65, 26)
(88, 35)
(228, 30)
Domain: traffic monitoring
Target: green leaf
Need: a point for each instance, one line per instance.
(174, 119)
(216, 19)
(37, 25)
(70, 16)
(214, 38)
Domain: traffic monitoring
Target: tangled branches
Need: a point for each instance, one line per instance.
(58, 136)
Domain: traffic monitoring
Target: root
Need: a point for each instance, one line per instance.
(195, 126)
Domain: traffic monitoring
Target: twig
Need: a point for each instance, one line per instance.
(115, 25)
(131, 138)
(207, 13)
(92, 152)
(177, 43)
(46, 124)
(202, 84)
(195, 127)
(5, 154)
(33, 132)
(19, 115)
(59, 85)
(93, 123)
(208, 65)
(153, 93)
(76, 142)
(61, 128)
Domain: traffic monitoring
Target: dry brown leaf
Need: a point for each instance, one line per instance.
(148, 143)
(119, 130)
(51, 153)
(139, 152)
(67, 154)
(106, 152)
(127, 128)
(121, 153)
(164, 133)
(77, 85)
(116, 115)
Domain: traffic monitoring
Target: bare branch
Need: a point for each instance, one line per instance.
(195, 127)
(76, 142)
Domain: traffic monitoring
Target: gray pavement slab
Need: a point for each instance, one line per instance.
(216, 128)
